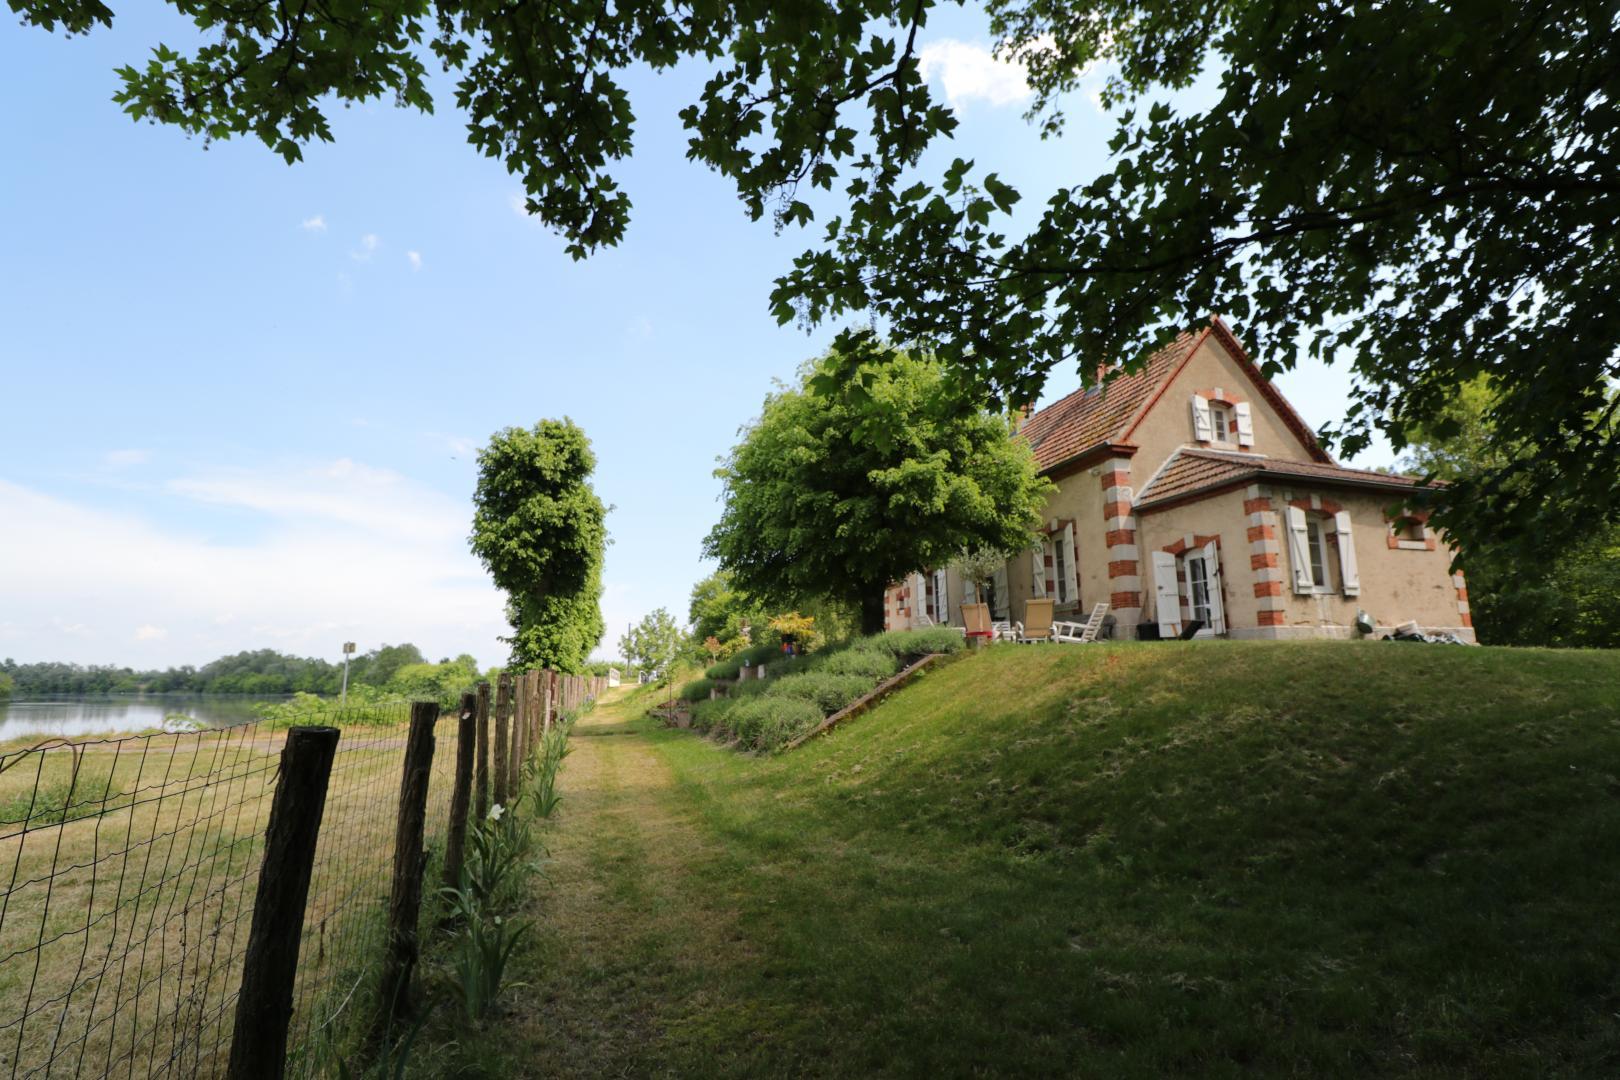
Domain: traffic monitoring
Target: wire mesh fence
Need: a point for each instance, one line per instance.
(128, 871)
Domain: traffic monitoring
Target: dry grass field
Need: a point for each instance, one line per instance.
(127, 873)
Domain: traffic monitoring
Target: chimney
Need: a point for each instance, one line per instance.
(1102, 373)
(1021, 417)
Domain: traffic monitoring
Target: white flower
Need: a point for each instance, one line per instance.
(496, 811)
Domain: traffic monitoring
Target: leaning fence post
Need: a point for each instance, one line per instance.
(405, 901)
(264, 1005)
(455, 838)
(503, 713)
(482, 721)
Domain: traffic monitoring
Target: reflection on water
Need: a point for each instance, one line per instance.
(95, 715)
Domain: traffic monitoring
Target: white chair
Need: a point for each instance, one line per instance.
(1081, 633)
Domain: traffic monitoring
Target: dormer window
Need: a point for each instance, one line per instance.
(1219, 420)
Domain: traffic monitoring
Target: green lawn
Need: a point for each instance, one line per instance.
(1208, 858)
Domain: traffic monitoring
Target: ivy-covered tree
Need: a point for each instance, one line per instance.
(541, 531)
(1425, 189)
(872, 468)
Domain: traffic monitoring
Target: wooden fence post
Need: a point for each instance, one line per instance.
(545, 691)
(481, 801)
(265, 1003)
(455, 838)
(503, 713)
(405, 900)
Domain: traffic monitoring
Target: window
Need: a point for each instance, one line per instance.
(1198, 589)
(1318, 550)
(1220, 417)
(941, 612)
(1410, 529)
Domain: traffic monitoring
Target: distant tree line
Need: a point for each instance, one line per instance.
(259, 671)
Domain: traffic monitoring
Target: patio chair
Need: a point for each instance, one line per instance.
(1081, 633)
(1037, 624)
(1003, 629)
(976, 620)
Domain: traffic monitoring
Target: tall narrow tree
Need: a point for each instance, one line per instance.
(541, 531)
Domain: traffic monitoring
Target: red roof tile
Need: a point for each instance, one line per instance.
(1092, 417)
(1190, 471)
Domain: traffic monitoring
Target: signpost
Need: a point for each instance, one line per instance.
(348, 651)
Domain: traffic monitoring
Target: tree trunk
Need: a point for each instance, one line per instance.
(872, 611)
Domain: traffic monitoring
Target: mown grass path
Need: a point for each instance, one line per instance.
(627, 942)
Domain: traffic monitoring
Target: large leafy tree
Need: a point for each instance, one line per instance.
(719, 609)
(541, 531)
(1428, 189)
(1568, 597)
(869, 470)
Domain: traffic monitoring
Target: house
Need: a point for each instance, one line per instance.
(1191, 489)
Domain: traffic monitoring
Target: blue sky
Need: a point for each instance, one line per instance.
(241, 401)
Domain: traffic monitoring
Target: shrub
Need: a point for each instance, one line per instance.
(787, 665)
(868, 663)
(929, 639)
(709, 715)
(763, 653)
(725, 669)
(697, 690)
(826, 691)
(765, 723)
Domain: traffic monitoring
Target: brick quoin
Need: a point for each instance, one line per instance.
(1122, 568)
(1116, 510)
(1125, 600)
(1272, 618)
(1115, 537)
(1268, 588)
(1259, 562)
(1467, 619)
(1254, 506)
(1116, 478)
(1261, 532)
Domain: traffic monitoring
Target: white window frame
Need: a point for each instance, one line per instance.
(1223, 423)
(1206, 560)
(941, 606)
(1000, 595)
(1316, 545)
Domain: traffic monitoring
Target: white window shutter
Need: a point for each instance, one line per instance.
(1203, 425)
(1167, 598)
(942, 598)
(1349, 576)
(1217, 605)
(919, 598)
(1071, 576)
(1245, 423)
(1003, 607)
(1038, 571)
(1299, 551)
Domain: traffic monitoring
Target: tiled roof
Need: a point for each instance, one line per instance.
(1092, 417)
(1193, 470)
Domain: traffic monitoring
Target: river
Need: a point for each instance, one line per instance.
(76, 716)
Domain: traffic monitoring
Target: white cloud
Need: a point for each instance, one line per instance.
(969, 71)
(369, 244)
(122, 459)
(313, 224)
(340, 492)
(345, 552)
(416, 259)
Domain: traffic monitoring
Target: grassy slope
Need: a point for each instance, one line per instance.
(1128, 860)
